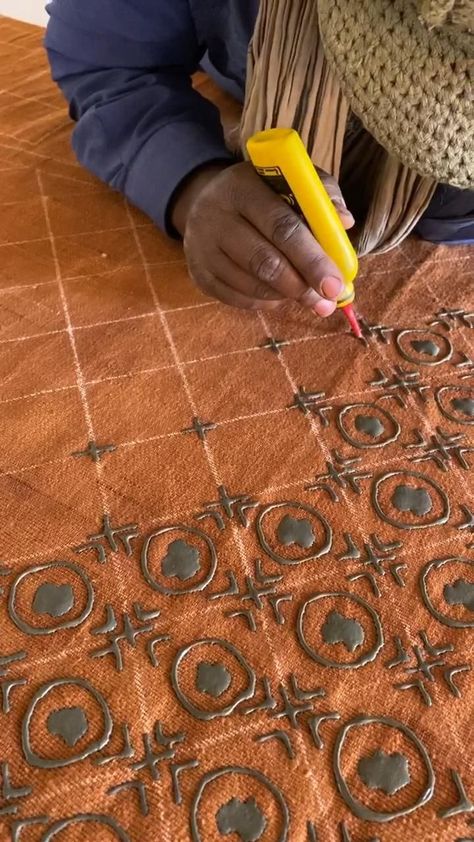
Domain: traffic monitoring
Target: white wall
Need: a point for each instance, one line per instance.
(32, 11)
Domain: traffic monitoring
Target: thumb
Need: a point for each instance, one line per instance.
(344, 213)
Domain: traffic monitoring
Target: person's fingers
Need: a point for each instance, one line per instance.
(335, 194)
(211, 270)
(238, 279)
(268, 272)
(237, 276)
(217, 288)
(290, 236)
(246, 247)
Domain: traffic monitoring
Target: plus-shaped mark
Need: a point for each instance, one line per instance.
(376, 554)
(201, 428)
(423, 666)
(151, 758)
(274, 344)
(376, 561)
(442, 448)
(129, 633)
(255, 594)
(379, 332)
(226, 501)
(312, 402)
(341, 473)
(402, 381)
(291, 710)
(453, 318)
(95, 451)
(111, 534)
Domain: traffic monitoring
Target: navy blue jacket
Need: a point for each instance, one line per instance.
(125, 66)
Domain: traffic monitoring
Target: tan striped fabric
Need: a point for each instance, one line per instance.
(290, 83)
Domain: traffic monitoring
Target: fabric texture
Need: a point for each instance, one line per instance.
(409, 80)
(236, 575)
(297, 77)
(458, 13)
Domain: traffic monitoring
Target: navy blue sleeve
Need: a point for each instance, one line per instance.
(125, 66)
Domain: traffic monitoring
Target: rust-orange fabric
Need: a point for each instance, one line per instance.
(236, 568)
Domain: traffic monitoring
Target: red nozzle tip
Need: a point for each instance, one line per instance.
(351, 317)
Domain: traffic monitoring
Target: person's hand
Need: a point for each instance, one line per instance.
(246, 247)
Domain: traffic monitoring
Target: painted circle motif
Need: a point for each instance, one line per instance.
(456, 403)
(96, 745)
(337, 628)
(357, 807)
(414, 494)
(367, 440)
(254, 775)
(219, 678)
(53, 598)
(423, 346)
(458, 591)
(182, 561)
(300, 525)
(86, 818)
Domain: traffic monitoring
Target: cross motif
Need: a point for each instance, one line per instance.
(95, 451)
(341, 473)
(374, 560)
(290, 709)
(227, 502)
(111, 534)
(312, 402)
(453, 318)
(274, 345)
(443, 448)
(151, 758)
(378, 332)
(201, 428)
(424, 667)
(254, 593)
(376, 555)
(256, 590)
(401, 381)
(129, 633)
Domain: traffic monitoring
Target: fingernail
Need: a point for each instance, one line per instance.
(324, 308)
(342, 208)
(332, 287)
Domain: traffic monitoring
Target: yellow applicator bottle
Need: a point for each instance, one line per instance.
(280, 158)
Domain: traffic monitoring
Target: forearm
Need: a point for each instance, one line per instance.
(140, 125)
